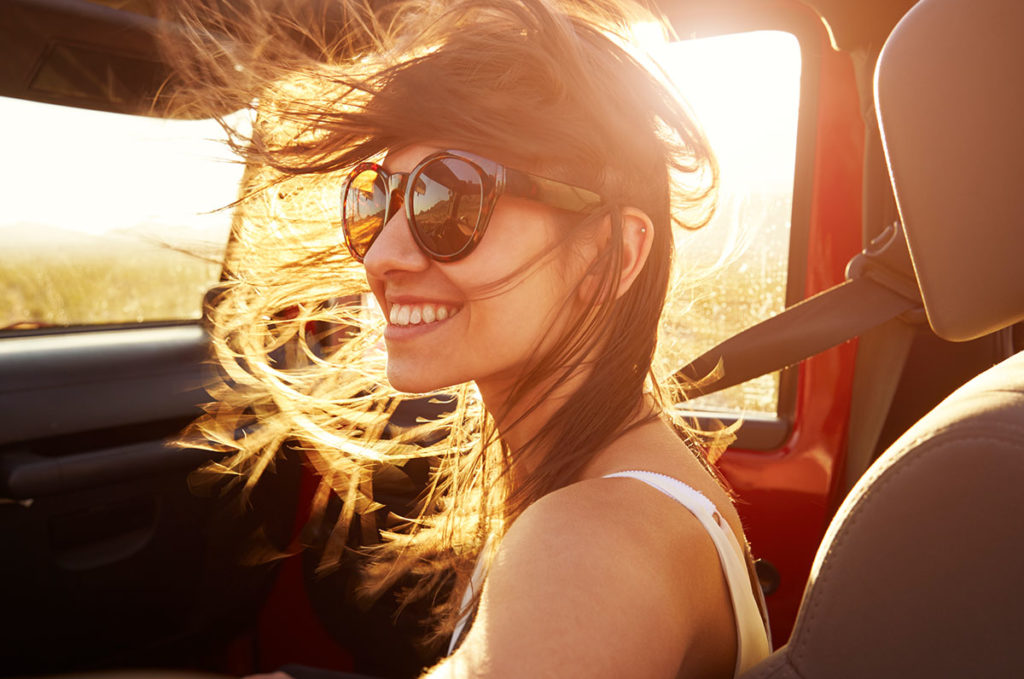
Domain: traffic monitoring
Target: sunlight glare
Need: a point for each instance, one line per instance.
(97, 172)
(743, 91)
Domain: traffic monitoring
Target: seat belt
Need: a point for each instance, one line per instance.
(877, 289)
(881, 355)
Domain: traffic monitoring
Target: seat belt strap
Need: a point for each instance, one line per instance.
(881, 355)
(873, 294)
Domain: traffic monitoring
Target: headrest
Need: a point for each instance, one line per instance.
(949, 90)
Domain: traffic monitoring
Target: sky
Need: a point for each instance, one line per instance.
(139, 170)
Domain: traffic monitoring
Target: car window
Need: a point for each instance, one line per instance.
(745, 90)
(109, 218)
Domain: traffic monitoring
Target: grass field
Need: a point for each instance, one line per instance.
(90, 284)
(733, 300)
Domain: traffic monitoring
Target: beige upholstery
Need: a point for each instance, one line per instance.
(921, 573)
(950, 95)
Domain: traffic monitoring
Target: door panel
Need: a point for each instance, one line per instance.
(68, 382)
(109, 557)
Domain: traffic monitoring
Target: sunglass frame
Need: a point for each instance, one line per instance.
(495, 179)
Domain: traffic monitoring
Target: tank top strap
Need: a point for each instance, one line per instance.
(753, 643)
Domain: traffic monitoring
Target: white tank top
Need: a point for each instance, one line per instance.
(753, 643)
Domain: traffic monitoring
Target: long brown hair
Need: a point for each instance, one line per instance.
(544, 85)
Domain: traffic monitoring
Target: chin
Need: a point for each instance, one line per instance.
(414, 381)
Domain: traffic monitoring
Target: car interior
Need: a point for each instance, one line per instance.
(880, 493)
(917, 575)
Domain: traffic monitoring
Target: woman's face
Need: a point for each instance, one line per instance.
(446, 324)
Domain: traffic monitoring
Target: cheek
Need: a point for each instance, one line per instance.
(529, 316)
(519, 286)
(522, 239)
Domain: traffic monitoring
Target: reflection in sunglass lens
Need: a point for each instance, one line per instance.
(364, 210)
(446, 201)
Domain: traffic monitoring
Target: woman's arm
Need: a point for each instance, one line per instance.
(582, 587)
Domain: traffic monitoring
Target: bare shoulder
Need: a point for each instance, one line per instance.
(618, 527)
(604, 577)
(657, 448)
(595, 512)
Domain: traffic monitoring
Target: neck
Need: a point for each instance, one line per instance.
(520, 424)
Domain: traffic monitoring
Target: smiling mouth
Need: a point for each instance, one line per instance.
(420, 314)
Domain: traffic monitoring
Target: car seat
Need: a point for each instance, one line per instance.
(921, 573)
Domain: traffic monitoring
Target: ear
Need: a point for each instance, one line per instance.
(637, 237)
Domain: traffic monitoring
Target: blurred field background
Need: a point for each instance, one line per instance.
(733, 274)
(56, 277)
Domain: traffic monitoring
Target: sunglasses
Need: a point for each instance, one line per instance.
(448, 197)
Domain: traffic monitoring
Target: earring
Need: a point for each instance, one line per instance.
(643, 229)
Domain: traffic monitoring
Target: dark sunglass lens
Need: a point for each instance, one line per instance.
(447, 196)
(364, 210)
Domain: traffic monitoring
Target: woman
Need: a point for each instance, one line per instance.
(510, 177)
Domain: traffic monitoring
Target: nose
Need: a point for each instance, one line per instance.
(395, 250)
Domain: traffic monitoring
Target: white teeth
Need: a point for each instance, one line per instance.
(417, 314)
(403, 315)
